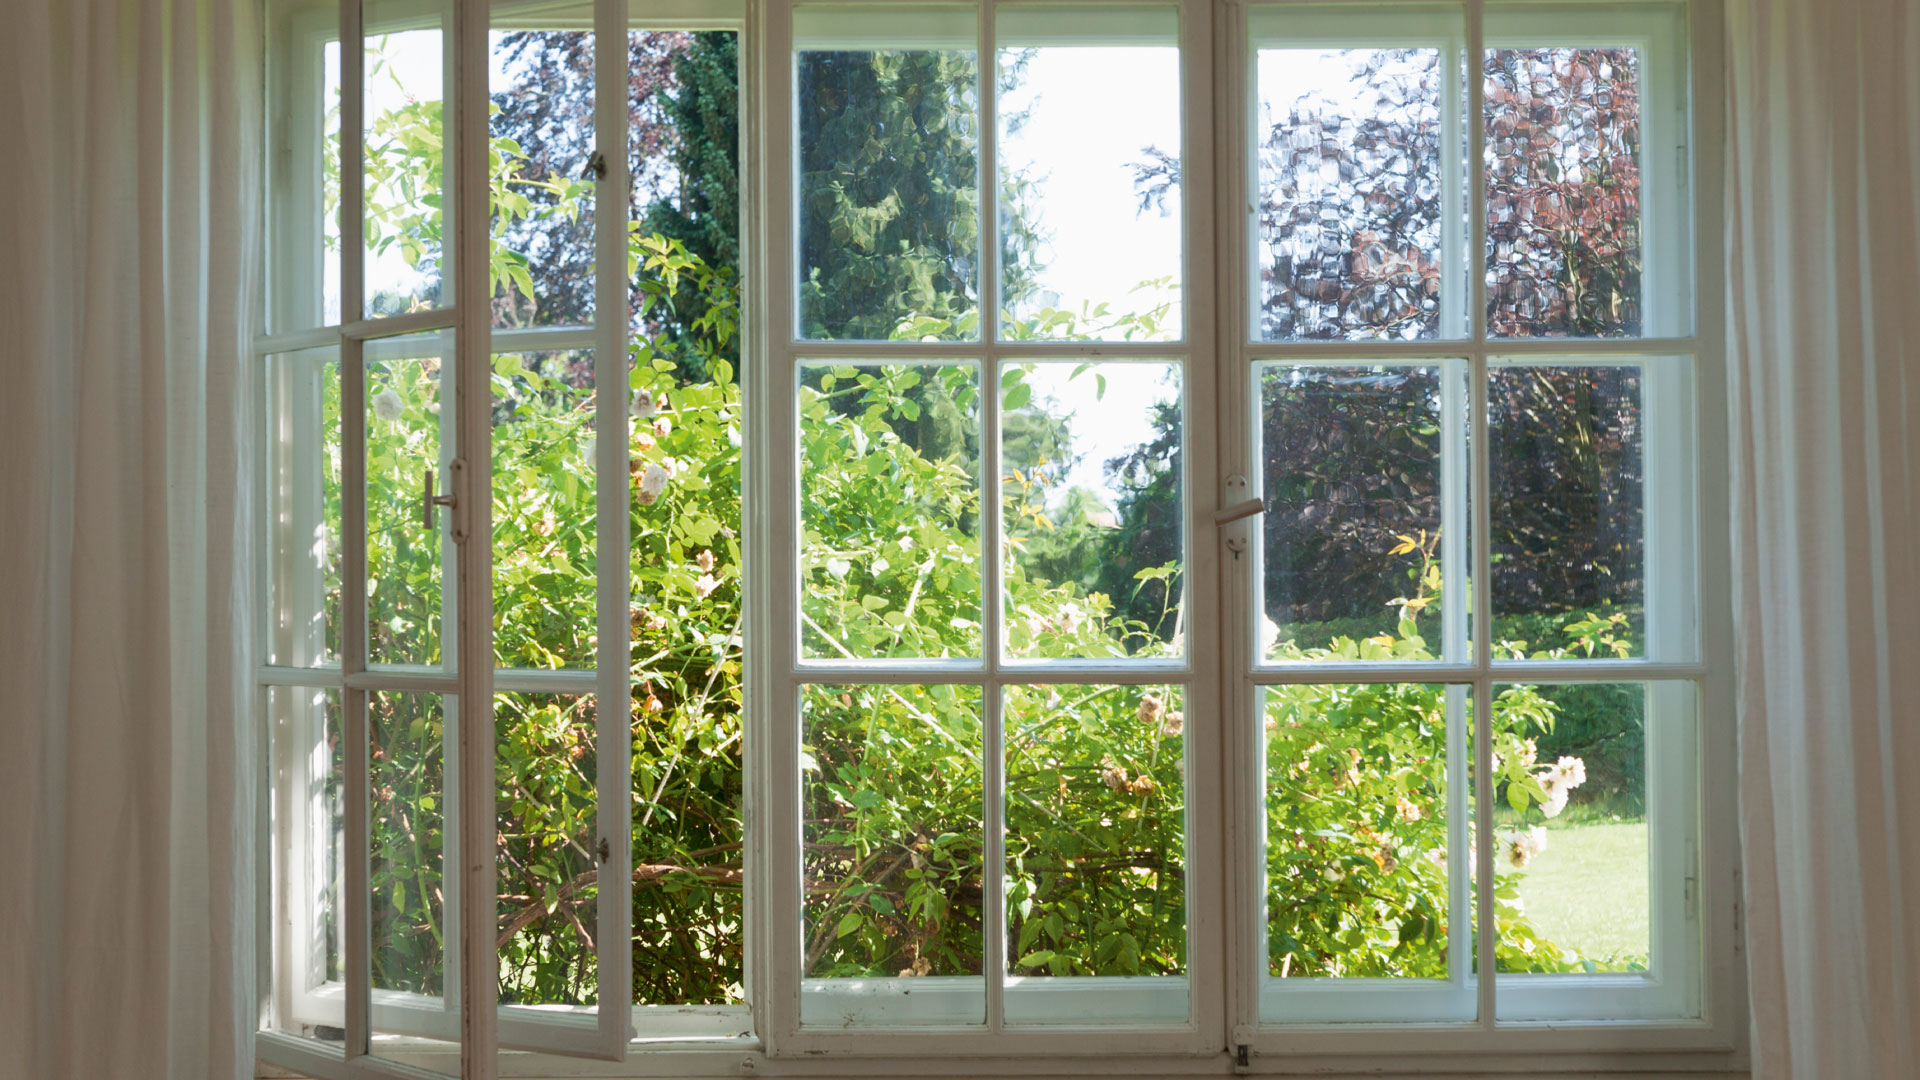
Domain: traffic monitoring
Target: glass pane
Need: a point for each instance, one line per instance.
(1358, 219)
(1090, 211)
(1368, 853)
(407, 792)
(1569, 563)
(890, 509)
(310, 788)
(1563, 192)
(408, 68)
(892, 804)
(887, 105)
(1096, 831)
(1571, 828)
(689, 828)
(407, 434)
(684, 505)
(1361, 467)
(304, 533)
(303, 223)
(1093, 509)
(544, 580)
(540, 80)
(683, 155)
(546, 762)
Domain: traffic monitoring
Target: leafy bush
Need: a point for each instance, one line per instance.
(894, 775)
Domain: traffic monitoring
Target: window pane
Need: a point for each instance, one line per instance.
(1368, 853)
(689, 922)
(683, 158)
(1358, 214)
(890, 507)
(548, 887)
(1563, 162)
(310, 788)
(1571, 828)
(540, 82)
(686, 640)
(408, 67)
(407, 434)
(304, 533)
(887, 103)
(1093, 509)
(892, 802)
(1569, 514)
(406, 786)
(1090, 211)
(1362, 470)
(544, 496)
(303, 218)
(1096, 842)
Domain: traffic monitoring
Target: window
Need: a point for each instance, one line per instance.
(1167, 529)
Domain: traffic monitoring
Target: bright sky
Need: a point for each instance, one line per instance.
(1091, 112)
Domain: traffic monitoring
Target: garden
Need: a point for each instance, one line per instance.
(1357, 864)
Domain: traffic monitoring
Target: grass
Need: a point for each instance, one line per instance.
(1587, 891)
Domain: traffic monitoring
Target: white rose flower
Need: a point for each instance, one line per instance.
(388, 406)
(652, 483)
(643, 406)
(704, 585)
(1070, 616)
(1572, 770)
(1524, 844)
(662, 426)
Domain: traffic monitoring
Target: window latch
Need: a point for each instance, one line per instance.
(429, 500)
(1241, 504)
(596, 167)
(1231, 514)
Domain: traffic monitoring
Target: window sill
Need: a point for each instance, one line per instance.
(281, 1055)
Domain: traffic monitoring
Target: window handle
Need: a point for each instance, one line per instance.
(1237, 510)
(429, 500)
(1230, 514)
(1245, 506)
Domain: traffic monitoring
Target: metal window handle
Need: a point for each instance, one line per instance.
(428, 500)
(1236, 511)
(1229, 515)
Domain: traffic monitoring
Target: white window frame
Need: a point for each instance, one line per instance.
(1226, 945)
(798, 1014)
(460, 334)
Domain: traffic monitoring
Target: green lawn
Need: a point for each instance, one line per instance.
(1588, 890)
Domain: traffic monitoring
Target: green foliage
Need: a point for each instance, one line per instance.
(703, 214)
(891, 566)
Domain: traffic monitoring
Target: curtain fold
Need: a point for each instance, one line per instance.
(127, 849)
(1824, 317)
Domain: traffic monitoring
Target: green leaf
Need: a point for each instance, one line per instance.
(848, 924)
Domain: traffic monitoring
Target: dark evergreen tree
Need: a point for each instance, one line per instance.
(701, 208)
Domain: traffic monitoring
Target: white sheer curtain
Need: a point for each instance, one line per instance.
(127, 805)
(1824, 258)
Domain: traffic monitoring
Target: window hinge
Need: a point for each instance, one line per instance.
(596, 167)
(1242, 1058)
(605, 851)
